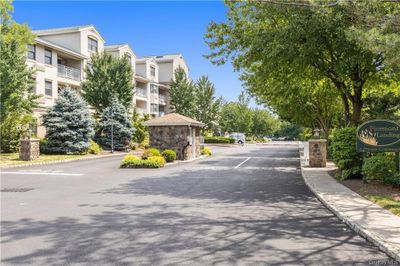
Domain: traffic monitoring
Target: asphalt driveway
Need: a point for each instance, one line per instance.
(242, 206)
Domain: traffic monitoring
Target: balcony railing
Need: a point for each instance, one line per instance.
(69, 72)
(162, 98)
(141, 92)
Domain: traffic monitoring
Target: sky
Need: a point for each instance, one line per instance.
(149, 27)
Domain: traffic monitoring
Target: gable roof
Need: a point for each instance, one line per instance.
(173, 119)
(60, 48)
(116, 47)
(64, 30)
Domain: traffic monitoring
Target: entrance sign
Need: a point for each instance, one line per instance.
(378, 136)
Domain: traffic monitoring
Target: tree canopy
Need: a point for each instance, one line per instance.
(353, 45)
(108, 76)
(181, 94)
(17, 97)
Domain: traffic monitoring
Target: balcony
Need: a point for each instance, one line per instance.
(162, 99)
(141, 92)
(141, 110)
(69, 72)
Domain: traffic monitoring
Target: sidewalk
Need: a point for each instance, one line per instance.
(374, 223)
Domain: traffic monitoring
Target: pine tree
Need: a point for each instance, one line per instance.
(17, 98)
(69, 125)
(114, 116)
(181, 94)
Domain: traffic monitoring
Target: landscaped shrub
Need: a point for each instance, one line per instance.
(169, 155)
(344, 154)
(131, 161)
(94, 148)
(378, 167)
(218, 140)
(69, 124)
(150, 152)
(43, 145)
(155, 152)
(392, 179)
(206, 151)
(157, 159)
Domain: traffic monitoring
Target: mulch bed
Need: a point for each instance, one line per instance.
(365, 189)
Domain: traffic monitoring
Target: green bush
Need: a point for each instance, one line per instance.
(206, 151)
(392, 179)
(169, 155)
(157, 159)
(378, 167)
(150, 152)
(155, 152)
(218, 140)
(43, 145)
(344, 154)
(94, 148)
(131, 161)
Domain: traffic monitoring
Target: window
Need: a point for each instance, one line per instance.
(48, 88)
(92, 45)
(153, 89)
(48, 57)
(154, 108)
(152, 71)
(31, 51)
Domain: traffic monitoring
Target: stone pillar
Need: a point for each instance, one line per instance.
(29, 149)
(317, 152)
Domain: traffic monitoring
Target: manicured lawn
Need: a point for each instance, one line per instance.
(7, 159)
(387, 203)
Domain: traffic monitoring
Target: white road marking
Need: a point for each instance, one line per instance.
(237, 166)
(40, 173)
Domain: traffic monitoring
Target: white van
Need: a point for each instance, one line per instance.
(240, 138)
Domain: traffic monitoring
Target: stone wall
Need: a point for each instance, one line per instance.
(29, 149)
(175, 138)
(317, 152)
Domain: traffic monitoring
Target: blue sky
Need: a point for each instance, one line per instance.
(150, 28)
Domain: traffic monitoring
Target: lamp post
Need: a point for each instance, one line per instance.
(112, 130)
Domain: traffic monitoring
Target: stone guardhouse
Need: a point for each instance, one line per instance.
(176, 132)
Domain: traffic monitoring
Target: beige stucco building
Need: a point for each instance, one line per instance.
(60, 56)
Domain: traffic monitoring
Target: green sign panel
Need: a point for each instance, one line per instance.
(378, 136)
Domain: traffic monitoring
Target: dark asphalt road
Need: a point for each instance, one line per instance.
(220, 210)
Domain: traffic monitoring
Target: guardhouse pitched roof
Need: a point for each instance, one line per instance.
(174, 119)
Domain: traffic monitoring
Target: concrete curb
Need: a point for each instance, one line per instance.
(377, 240)
(62, 161)
(391, 250)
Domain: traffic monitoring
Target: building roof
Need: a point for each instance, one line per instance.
(114, 47)
(65, 30)
(173, 119)
(60, 48)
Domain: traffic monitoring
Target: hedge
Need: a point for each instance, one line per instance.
(218, 140)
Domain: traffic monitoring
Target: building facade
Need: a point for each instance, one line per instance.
(60, 56)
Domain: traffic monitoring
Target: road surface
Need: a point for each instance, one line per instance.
(242, 206)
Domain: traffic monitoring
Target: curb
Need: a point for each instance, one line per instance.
(375, 239)
(61, 161)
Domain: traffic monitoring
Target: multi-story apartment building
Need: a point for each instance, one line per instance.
(60, 56)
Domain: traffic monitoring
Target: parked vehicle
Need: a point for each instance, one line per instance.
(240, 138)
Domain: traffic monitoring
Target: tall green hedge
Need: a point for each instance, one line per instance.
(218, 140)
(344, 154)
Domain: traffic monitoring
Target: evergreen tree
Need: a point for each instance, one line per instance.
(107, 77)
(208, 107)
(116, 117)
(17, 98)
(182, 94)
(69, 125)
(140, 129)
